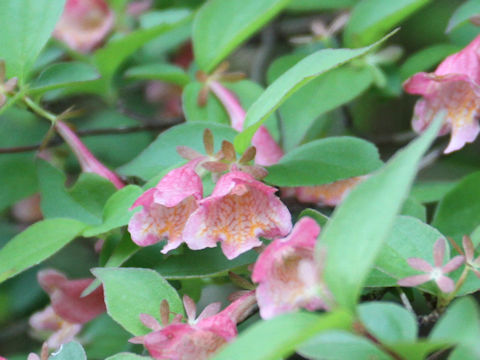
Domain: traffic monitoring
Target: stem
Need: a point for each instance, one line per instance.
(443, 302)
(39, 110)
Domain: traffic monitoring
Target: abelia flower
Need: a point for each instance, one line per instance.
(166, 208)
(329, 194)
(436, 272)
(237, 213)
(61, 331)
(455, 87)
(66, 297)
(84, 24)
(287, 274)
(201, 337)
(87, 160)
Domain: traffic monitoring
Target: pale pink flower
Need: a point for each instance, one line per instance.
(329, 194)
(166, 208)
(87, 160)
(436, 272)
(469, 250)
(199, 338)
(268, 151)
(84, 24)
(455, 87)
(61, 330)
(287, 274)
(66, 297)
(138, 7)
(239, 211)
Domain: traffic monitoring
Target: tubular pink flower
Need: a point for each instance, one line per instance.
(268, 151)
(62, 331)
(84, 24)
(166, 208)
(87, 160)
(329, 194)
(239, 211)
(436, 272)
(200, 338)
(287, 274)
(455, 87)
(66, 299)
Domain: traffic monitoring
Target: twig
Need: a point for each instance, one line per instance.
(93, 132)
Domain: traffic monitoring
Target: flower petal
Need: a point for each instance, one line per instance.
(453, 264)
(414, 280)
(468, 248)
(419, 264)
(438, 252)
(445, 284)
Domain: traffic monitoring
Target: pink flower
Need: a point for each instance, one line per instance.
(137, 8)
(268, 151)
(469, 250)
(66, 299)
(84, 24)
(239, 211)
(287, 274)
(199, 338)
(436, 272)
(62, 331)
(454, 87)
(329, 194)
(87, 160)
(166, 208)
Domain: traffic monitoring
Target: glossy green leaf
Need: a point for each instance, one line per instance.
(463, 14)
(70, 351)
(159, 71)
(372, 19)
(26, 28)
(353, 237)
(291, 81)
(426, 59)
(220, 26)
(320, 218)
(84, 201)
(35, 244)
(284, 333)
(418, 350)
(388, 322)
(325, 161)
(116, 212)
(161, 154)
(109, 58)
(310, 5)
(412, 207)
(62, 75)
(130, 292)
(430, 192)
(341, 345)
(458, 213)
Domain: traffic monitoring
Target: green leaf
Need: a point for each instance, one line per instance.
(284, 333)
(353, 237)
(458, 213)
(159, 71)
(83, 202)
(430, 192)
(220, 26)
(409, 238)
(213, 111)
(26, 28)
(325, 161)
(426, 59)
(417, 350)
(372, 19)
(388, 322)
(161, 154)
(62, 75)
(128, 356)
(116, 212)
(310, 5)
(109, 58)
(413, 208)
(463, 14)
(291, 81)
(70, 351)
(35, 244)
(320, 218)
(130, 292)
(341, 345)
(318, 97)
